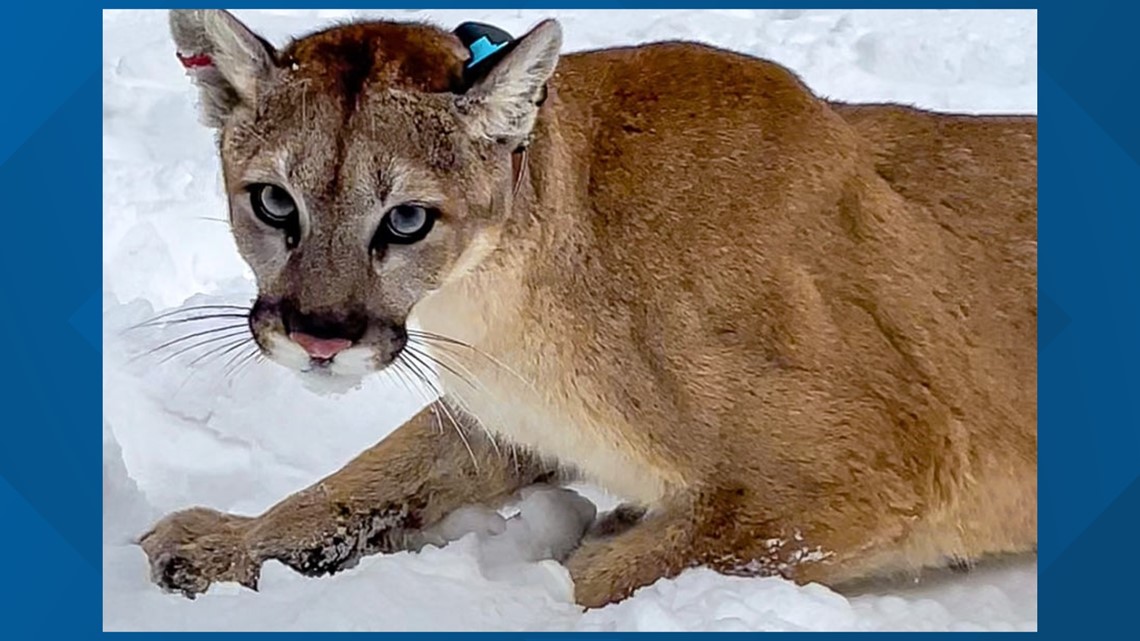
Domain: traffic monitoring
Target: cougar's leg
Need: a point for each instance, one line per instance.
(379, 502)
(725, 529)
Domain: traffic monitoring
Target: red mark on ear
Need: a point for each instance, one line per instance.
(195, 61)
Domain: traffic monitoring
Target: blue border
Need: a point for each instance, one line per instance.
(50, 176)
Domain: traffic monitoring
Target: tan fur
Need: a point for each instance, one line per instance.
(802, 334)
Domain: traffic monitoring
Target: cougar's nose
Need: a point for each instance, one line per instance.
(323, 335)
(322, 348)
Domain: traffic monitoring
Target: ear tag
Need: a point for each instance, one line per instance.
(194, 60)
(486, 43)
(482, 48)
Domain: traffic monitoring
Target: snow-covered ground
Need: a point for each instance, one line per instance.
(239, 435)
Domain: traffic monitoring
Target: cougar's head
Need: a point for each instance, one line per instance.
(361, 170)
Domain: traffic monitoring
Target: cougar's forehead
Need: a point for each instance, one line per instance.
(356, 74)
(355, 99)
(297, 128)
(345, 61)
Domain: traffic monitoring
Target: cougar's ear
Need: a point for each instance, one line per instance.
(502, 105)
(227, 60)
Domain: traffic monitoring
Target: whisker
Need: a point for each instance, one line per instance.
(465, 406)
(438, 418)
(459, 398)
(258, 359)
(212, 330)
(240, 355)
(398, 367)
(218, 352)
(417, 391)
(191, 308)
(471, 379)
(439, 338)
(458, 430)
(242, 362)
(176, 321)
(186, 380)
(195, 371)
(414, 364)
(436, 361)
(212, 339)
(393, 372)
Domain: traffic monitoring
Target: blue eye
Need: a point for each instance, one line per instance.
(405, 224)
(276, 208)
(273, 205)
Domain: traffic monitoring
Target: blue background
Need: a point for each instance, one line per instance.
(1089, 228)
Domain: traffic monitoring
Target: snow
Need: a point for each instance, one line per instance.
(238, 435)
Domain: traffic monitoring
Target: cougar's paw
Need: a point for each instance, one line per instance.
(596, 581)
(616, 521)
(191, 549)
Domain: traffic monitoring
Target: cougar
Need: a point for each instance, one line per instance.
(796, 337)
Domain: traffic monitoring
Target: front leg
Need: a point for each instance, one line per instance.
(613, 562)
(379, 502)
(732, 531)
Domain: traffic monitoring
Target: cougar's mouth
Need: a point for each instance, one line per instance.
(336, 374)
(325, 344)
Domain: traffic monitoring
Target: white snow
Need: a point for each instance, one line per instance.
(239, 435)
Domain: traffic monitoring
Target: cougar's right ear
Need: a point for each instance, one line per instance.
(503, 104)
(228, 61)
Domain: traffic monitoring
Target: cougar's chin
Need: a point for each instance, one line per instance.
(342, 373)
(325, 382)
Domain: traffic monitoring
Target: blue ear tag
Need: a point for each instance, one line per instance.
(486, 43)
(482, 48)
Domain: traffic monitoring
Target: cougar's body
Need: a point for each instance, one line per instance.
(800, 335)
(733, 283)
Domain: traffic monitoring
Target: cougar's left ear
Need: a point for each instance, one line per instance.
(227, 60)
(503, 105)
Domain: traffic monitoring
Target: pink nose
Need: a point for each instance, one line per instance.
(320, 347)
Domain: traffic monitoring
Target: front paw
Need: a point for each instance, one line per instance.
(191, 549)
